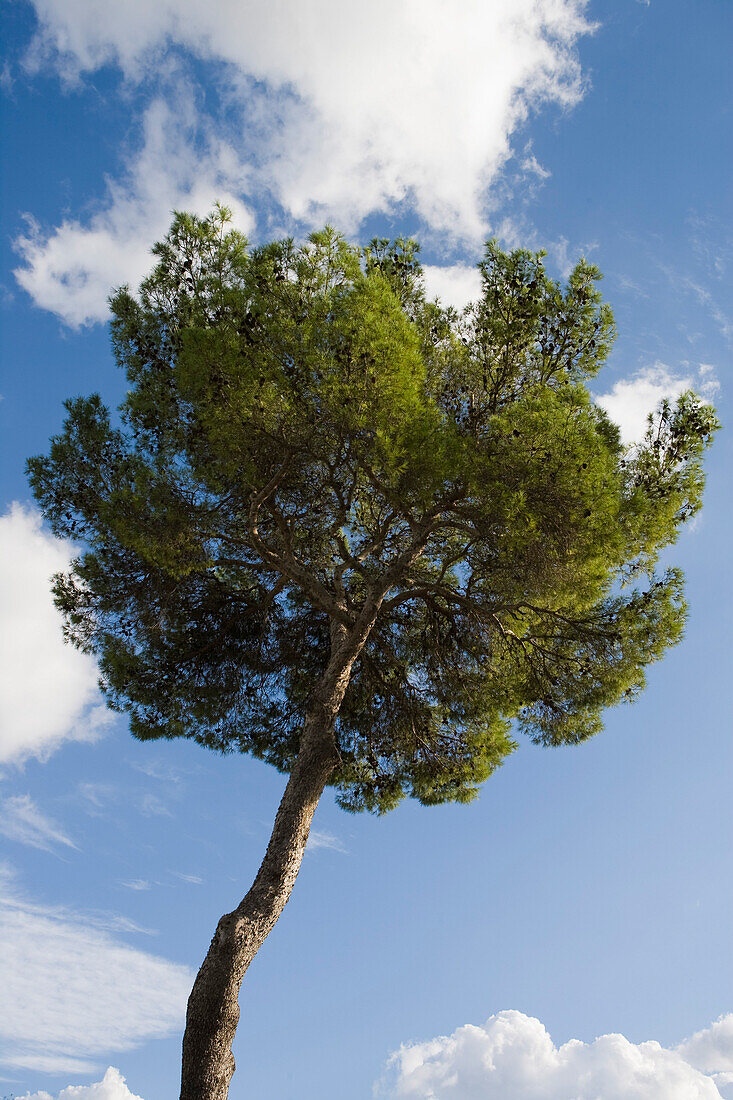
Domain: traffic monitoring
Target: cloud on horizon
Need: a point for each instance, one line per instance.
(112, 1087)
(512, 1057)
(403, 103)
(48, 690)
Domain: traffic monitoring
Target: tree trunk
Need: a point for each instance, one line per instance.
(213, 1007)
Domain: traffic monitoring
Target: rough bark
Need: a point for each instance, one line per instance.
(213, 1006)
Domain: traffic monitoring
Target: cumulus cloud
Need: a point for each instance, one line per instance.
(711, 1050)
(512, 1057)
(357, 109)
(48, 690)
(632, 399)
(111, 1087)
(22, 821)
(456, 285)
(70, 992)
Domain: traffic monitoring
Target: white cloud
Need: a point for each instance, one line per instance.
(115, 923)
(707, 381)
(531, 165)
(512, 1057)
(455, 286)
(711, 1049)
(22, 821)
(72, 269)
(71, 993)
(48, 690)
(705, 297)
(356, 109)
(319, 839)
(156, 769)
(517, 231)
(632, 399)
(111, 1087)
(150, 805)
(565, 256)
(96, 797)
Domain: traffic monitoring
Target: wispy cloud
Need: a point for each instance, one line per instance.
(113, 922)
(706, 298)
(704, 277)
(6, 79)
(71, 992)
(22, 821)
(626, 283)
(712, 244)
(150, 805)
(531, 165)
(512, 1057)
(195, 880)
(96, 797)
(517, 231)
(319, 839)
(156, 769)
(137, 884)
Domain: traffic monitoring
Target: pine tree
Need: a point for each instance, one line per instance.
(359, 535)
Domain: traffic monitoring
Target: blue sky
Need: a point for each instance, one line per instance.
(587, 895)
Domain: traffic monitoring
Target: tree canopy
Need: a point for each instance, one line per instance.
(306, 435)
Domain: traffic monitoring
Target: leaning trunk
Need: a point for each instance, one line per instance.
(213, 1007)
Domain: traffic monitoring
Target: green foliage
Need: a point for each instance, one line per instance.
(305, 432)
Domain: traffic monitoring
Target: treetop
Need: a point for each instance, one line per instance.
(308, 441)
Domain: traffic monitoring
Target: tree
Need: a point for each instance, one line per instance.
(360, 535)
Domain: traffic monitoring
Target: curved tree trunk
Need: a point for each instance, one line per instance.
(213, 1008)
